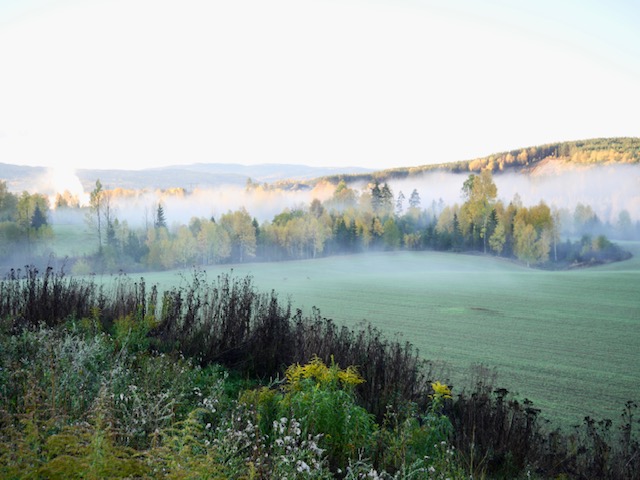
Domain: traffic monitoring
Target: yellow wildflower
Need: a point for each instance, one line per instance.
(440, 390)
(321, 374)
(350, 376)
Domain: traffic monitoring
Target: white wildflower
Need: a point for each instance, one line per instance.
(302, 466)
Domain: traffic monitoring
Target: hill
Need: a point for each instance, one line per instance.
(535, 160)
(529, 160)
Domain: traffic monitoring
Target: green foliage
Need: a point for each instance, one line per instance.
(133, 331)
(266, 403)
(321, 398)
(184, 452)
(78, 400)
(89, 453)
(65, 368)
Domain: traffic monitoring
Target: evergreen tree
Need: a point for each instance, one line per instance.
(38, 219)
(386, 199)
(456, 235)
(376, 197)
(400, 204)
(414, 199)
(111, 233)
(160, 220)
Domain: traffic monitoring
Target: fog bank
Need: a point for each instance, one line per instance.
(607, 189)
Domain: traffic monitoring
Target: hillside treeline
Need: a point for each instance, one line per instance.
(592, 151)
(214, 379)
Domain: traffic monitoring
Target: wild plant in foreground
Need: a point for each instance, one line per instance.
(292, 455)
(443, 465)
(322, 398)
(411, 445)
(152, 391)
(67, 369)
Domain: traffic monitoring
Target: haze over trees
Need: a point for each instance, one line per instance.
(350, 221)
(354, 217)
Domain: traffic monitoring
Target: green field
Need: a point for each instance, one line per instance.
(569, 341)
(73, 240)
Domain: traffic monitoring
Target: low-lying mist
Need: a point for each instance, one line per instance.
(139, 208)
(608, 190)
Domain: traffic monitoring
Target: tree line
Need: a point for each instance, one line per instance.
(350, 221)
(24, 222)
(593, 151)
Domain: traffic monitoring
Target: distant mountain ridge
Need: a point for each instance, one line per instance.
(547, 158)
(189, 177)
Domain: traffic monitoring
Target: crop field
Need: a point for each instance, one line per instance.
(569, 341)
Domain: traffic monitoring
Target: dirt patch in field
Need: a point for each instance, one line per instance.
(485, 310)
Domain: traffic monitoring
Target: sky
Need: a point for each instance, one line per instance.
(380, 83)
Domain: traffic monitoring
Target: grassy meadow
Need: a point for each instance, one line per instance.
(569, 340)
(73, 240)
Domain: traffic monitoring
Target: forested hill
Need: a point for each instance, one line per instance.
(581, 152)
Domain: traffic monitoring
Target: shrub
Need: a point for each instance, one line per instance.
(228, 322)
(67, 369)
(321, 398)
(30, 298)
(494, 433)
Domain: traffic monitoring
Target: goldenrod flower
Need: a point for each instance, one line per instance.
(350, 376)
(321, 374)
(440, 390)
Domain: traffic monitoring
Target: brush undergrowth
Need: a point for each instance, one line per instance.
(215, 380)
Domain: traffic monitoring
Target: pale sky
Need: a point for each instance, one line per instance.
(374, 83)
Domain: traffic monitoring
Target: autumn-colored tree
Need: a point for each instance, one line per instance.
(525, 239)
(213, 243)
(391, 236)
(185, 247)
(160, 254)
(66, 200)
(533, 233)
(480, 193)
(343, 197)
(94, 215)
(498, 238)
(239, 226)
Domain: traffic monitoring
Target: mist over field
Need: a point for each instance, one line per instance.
(262, 204)
(607, 189)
